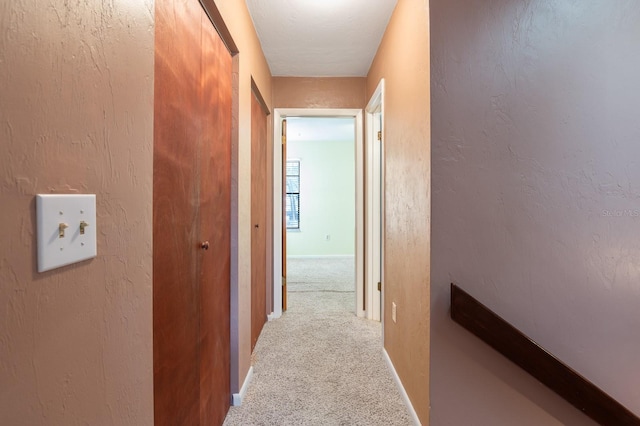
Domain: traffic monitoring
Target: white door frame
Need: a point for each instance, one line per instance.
(374, 122)
(278, 115)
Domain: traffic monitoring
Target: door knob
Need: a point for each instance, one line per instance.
(204, 245)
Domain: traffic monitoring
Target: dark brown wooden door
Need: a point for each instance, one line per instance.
(191, 212)
(258, 218)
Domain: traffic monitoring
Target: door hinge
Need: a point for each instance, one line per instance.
(284, 282)
(379, 286)
(379, 135)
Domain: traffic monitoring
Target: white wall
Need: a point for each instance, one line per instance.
(536, 194)
(327, 198)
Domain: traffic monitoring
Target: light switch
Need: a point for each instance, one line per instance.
(66, 228)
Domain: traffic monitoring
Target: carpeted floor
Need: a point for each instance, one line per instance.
(319, 364)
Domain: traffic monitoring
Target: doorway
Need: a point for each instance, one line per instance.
(320, 207)
(374, 199)
(279, 277)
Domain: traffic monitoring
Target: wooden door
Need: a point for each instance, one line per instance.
(215, 226)
(191, 217)
(258, 218)
(175, 224)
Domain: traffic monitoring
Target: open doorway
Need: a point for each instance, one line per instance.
(320, 215)
(283, 119)
(374, 200)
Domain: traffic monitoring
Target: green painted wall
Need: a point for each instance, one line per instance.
(327, 198)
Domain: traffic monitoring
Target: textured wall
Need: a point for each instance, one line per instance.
(76, 115)
(319, 92)
(250, 64)
(403, 61)
(536, 198)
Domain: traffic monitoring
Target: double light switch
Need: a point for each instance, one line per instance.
(66, 229)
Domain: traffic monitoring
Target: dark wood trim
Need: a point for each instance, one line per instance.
(535, 360)
(258, 94)
(215, 17)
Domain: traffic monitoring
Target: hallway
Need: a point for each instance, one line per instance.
(80, 89)
(319, 363)
(510, 146)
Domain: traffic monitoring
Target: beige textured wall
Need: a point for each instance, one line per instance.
(536, 199)
(76, 115)
(319, 92)
(250, 63)
(403, 61)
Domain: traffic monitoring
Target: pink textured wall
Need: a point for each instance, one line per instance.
(319, 92)
(403, 61)
(76, 115)
(536, 199)
(249, 64)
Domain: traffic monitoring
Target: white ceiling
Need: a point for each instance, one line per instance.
(323, 129)
(320, 38)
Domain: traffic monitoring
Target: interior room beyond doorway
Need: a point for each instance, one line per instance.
(320, 205)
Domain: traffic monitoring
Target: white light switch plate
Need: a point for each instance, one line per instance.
(71, 211)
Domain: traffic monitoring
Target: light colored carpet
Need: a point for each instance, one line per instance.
(321, 274)
(319, 364)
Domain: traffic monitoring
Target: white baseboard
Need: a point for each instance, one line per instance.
(238, 397)
(405, 397)
(272, 316)
(321, 256)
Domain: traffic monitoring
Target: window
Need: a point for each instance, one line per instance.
(293, 194)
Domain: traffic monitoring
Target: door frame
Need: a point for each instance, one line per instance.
(278, 115)
(375, 195)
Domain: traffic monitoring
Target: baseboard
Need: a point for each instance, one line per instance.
(271, 317)
(321, 256)
(238, 397)
(405, 397)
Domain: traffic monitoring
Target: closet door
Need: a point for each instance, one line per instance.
(258, 218)
(215, 227)
(176, 224)
(192, 219)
